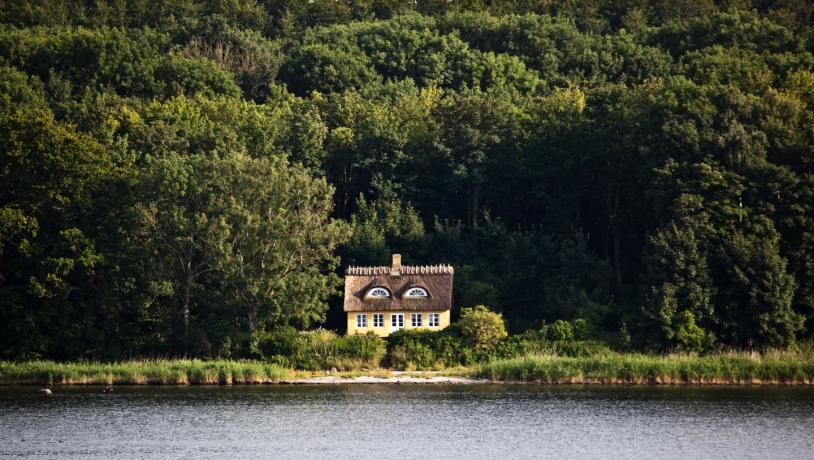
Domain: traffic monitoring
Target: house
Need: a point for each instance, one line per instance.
(386, 299)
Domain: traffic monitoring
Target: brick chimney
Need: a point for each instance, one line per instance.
(395, 268)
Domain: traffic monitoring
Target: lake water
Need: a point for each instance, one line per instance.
(408, 421)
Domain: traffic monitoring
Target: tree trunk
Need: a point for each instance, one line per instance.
(616, 259)
(185, 311)
(611, 199)
(473, 207)
(252, 323)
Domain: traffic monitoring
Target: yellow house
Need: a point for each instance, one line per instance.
(386, 299)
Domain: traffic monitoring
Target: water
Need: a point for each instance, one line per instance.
(408, 421)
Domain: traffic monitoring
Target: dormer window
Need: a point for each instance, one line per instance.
(416, 293)
(378, 293)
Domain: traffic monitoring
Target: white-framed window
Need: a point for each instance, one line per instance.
(361, 320)
(415, 320)
(378, 319)
(434, 320)
(377, 293)
(416, 293)
(397, 320)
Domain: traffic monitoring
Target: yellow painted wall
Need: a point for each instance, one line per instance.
(385, 330)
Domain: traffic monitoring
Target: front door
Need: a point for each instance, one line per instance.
(396, 321)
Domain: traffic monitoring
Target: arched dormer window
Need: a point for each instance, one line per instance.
(377, 293)
(416, 293)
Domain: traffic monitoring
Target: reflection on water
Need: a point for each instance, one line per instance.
(409, 421)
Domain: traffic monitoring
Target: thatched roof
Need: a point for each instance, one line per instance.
(398, 279)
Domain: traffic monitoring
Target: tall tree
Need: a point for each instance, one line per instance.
(259, 226)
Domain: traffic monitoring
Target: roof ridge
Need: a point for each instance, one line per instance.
(437, 269)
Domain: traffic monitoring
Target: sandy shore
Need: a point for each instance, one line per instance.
(397, 377)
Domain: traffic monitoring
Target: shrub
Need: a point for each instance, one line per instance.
(415, 355)
(357, 351)
(282, 341)
(518, 345)
(482, 327)
(688, 336)
(322, 349)
(429, 350)
(558, 331)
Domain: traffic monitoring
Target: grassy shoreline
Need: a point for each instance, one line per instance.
(184, 372)
(721, 369)
(143, 372)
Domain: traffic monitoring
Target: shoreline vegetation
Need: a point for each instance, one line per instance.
(733, 368)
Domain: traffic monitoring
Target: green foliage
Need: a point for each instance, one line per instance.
(322, 349)
(688, 336)
(249, 221)
(319, 68)
(530, 276)
(381, 228)
(482, 327)
(558, 331)
(18, 90)
(579, 349)
(729, 368)
(164, 372)
(682, 294)
(194, 76)
(409, 47)
(758, 292)
(253, 60)
(555, 47)
(183, 177)
(51, 175)
(416, 349)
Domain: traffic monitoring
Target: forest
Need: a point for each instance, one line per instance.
(185, 178)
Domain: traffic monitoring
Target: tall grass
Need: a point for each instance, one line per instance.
(166, 372)
(773, 367)
(724, 368)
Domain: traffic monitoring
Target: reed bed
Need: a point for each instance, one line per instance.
(735, 368)
(163, 372)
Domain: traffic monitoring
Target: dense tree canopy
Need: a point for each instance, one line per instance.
(184, 177)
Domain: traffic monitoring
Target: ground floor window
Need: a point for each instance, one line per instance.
(397, 321)
(435, 319)
(378, 319)
(361, 320)
(416, 320)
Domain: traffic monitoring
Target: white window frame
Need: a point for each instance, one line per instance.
(361, 320)
(377, 292)
(416, 319)
(378, 319)
(416, 293)
(396, 321)
(434, 320)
